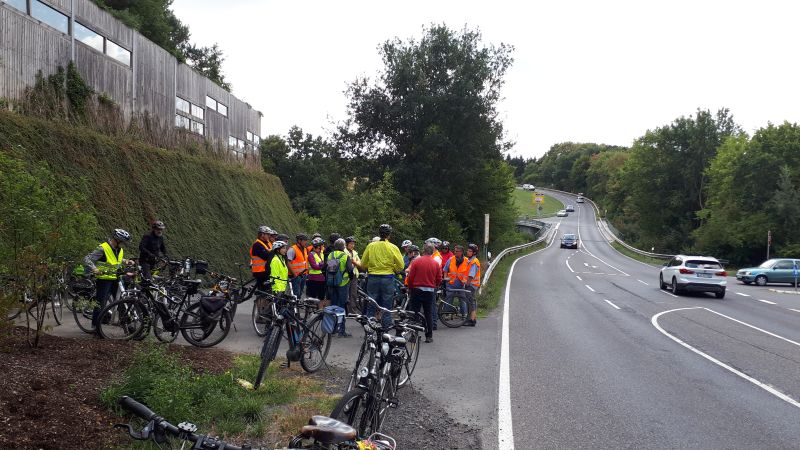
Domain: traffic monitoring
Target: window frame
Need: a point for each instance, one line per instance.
(220, 104)
(199, 108)
(202, 131)
(50, 8)
(209, 98)
(108, 43)
(77, 24)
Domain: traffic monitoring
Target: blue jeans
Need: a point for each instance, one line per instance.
(104, 289)
(381, 289)
(298, 285)
(339, 296)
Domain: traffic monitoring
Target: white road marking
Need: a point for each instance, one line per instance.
(589, 288)
(767, 302)
(742, 294)
(568, 267)
(754, 327)
(792, 309)
(609, 302)
(586, 264)
(579, 278)
(668, 293)
(758, 383)
(640, 281)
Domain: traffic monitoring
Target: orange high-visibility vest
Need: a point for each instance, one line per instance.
(476, 281)
(300, 262)
(460, 272)
(257, 264)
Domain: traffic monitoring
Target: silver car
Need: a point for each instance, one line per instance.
(694, 274)
(562, 213)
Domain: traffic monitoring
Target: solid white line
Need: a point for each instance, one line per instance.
(742, 294)
(640, 281)
(609, 302)
(754, 327)
(579, 278)
(792, 309)
(570, 268)
(589, 288)
(767, 302)
(764, 386)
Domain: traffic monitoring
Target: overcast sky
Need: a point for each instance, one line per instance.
(584, 71)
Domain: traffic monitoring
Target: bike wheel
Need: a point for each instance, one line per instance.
(122, 319)
(362, 361)
(351, 409)
(202, 330)
(315, 345)
(82, 308)
(450, 312)
(268, 351)
(260, 328)
(413, 342)
(57, 306)
(161, 331)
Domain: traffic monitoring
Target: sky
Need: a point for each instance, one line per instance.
(584, 70)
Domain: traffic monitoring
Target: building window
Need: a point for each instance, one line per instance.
(198, 127)
(88, 37)
(222, 109)
(231, 142)
(21, 5)
(119, 53)
(250, 136)
(182, 105)
(50, 16)
(211, 103)
(197, 111)
(216, 106)
(181, 121)
(256, 140)
(239, 144)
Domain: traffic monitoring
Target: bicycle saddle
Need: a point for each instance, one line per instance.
(328, 431)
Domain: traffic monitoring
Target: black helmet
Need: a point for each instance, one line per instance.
(413, 248)
(334, 237)
(384, 230)
(473, 247)
(159, 225)
(282, 237)
(349, 239)
(302, 237)
(121, 235)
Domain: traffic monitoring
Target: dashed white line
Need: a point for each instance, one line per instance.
(579, 278)
(766, 301)
(640, 281)
(589, 288)
(668, 293)
(609, 302)
(570, 268)
(742, 294)
(792, 309)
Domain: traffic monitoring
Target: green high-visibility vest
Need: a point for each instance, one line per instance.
(108, 269)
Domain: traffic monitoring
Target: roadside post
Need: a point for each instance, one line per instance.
(486, 238)
(795, 276)
(769, 241)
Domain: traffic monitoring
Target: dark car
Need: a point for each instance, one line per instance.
(569, 241)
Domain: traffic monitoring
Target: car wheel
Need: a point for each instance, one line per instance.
(675, 289)
(761, 280)
(720, 294)
(661, 281)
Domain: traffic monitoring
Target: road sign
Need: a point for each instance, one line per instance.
(538, 198)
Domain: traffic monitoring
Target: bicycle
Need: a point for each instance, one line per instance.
(307, 341)
(385, 363)
(455, 312)
(322, 433)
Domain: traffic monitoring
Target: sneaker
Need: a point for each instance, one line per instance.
(471, 323)
(428, 340)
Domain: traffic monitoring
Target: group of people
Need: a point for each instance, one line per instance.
(329, 271)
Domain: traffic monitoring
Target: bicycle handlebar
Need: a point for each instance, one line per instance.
(136, 408)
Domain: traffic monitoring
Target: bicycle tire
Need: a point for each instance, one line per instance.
(57, 306)
(198, 332)
(126, 319)
(314, 341)
(351, 408)
(268, 351)
(161, 333)
(360, 361)
(82, 308)
(261, 329)
(450, 314)
(414, 340)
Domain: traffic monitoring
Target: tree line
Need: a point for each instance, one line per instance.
(699, 185)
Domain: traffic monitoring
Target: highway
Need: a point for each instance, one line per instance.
(600, 357)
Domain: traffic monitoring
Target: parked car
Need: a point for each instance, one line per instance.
(777, 270)
(569, 241)
(694, 273)
(562, 213)
(529, 187)
(580, 199)
(570, 208)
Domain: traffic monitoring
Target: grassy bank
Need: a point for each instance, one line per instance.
(645, 259)
(211, 208)
(493, 291)
(524, 201)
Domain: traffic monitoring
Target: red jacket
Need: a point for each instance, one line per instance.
(424, 272)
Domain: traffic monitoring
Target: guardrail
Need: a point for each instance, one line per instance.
(606, 231)
(548, 232)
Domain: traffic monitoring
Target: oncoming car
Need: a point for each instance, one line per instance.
(778, 270)
(580, 199)
(570, 208)
(562, 213)
(694, 274)
(569, 241)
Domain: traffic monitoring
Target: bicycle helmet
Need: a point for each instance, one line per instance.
(384, 230)
(413, 248)
(317, 241)
(445, 244)
(334, 237)
(277, 245)
(302, 237)
(272, 232)
(315, 235)
(283, 238)
(349, 239)
(405, 243)
(436, 242)
(263, 229)
(159, 225)
(473, 247)
(121, 235)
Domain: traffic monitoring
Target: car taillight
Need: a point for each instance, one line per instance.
(686, 271)
(722, 274)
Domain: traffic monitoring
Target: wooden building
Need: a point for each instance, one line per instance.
(116, 60)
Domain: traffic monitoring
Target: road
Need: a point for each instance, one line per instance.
(600, 357)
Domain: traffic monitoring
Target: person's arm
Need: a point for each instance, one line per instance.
(473, 270)
(144, 252)
(438, 278)
(261, 252)
(398, 263)
(163, 248)
(291, 254)
(412, 272)
(93, 257)
(365, 258)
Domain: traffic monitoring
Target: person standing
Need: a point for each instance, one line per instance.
(297, 256)
(424, 276)
(271, 237)
(455, 270)
(104, 262)
(382, 260)
(404, 250)
(445, 252)
(279, 268)
(151, 248)
(473, 283)
(339, 291)
(316, 278)
(350, 244)
(438, 258)
(260, 253)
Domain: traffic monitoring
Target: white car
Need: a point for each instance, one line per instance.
(579, 200)
(562, 213)
(694, 273)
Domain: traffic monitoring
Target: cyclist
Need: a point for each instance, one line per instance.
(151, 247)
(340, 293)
(473, 282)
(313, 236)
(382, 260)
(272, 236)
(316, 262)
(438, 258)
(445, 252)
(455, 270)
(329, 248)
(103, 262)
(297, 256)
(279, 268)
(350, 243)
(260, 253)
(404, 247)
(424, 276)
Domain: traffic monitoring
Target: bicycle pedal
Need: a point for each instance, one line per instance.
(394, 402)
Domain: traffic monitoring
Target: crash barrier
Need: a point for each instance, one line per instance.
(546, 233)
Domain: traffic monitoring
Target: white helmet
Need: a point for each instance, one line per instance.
(278, 244)
(406, 243)
(436, 242)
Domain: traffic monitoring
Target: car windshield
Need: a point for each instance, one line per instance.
(767, 264)
(703, 265)
(569, 236)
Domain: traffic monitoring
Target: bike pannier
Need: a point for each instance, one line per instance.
(333, 318)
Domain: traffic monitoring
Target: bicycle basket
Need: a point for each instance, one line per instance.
(192, 286)
(200, 267)
(333, 317)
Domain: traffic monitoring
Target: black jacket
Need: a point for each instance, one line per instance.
(151, 247)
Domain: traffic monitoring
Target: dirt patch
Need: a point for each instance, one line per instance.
(50, 398)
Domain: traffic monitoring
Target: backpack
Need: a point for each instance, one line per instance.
(333, 271)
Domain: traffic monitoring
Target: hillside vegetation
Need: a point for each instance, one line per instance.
(211, 208)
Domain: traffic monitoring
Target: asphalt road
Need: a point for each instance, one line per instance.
(600, 357)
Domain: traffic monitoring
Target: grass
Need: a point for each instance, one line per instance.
(492, 291)
(216, 403)
(524, 202)
(645, 259)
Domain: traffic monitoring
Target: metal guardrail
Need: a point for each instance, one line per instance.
(606, 231)
(548, 233)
